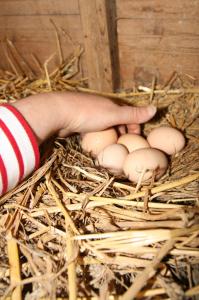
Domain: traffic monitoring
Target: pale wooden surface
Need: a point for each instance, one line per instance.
(97, 44)
(38, 7)
(27, 23)
(156, 38)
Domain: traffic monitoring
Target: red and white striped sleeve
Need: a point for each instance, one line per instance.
(19, 151)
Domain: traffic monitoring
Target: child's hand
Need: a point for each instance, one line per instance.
(86, 113)
(64, 113)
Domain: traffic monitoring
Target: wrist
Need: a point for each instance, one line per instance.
(43, 114)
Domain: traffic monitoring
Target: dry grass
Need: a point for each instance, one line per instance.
(72, 230)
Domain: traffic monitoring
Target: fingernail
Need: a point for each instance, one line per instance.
(152, 109)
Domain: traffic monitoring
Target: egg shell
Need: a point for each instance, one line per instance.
(133, 142)
(94, 142)
(167, 139)
(145, 159)
(112, 158)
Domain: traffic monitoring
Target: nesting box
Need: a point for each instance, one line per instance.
(72, 230)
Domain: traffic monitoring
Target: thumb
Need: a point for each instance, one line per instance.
(136, 115)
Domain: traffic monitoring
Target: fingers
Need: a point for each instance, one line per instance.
(134, 128)
(131, 128)
(135, 115)
(121, 129)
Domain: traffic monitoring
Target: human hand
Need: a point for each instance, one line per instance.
(87, 113)
(63, 113)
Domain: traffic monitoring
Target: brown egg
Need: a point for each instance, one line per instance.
(112, 158)
(94, 142)
(144, 162)
(133, 142)
(167, 139)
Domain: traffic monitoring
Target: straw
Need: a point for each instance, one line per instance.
(82, 232)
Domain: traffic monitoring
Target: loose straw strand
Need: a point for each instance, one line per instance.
(15, 274)
(149, 272)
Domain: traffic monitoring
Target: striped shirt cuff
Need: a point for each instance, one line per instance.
(19, 151)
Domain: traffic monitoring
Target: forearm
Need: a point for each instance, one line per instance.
(56, 113)
(43, 113)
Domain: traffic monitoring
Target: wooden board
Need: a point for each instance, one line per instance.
(38, 7)
(157, 9)
(36, 35)
(156, 38)
(97, 44)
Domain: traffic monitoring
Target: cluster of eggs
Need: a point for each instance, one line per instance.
(133, 155)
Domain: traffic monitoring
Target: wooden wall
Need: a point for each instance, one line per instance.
(154, 37)
(157, 37)
(27, 23)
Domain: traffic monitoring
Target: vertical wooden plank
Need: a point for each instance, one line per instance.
(112, 30)
(97, 42)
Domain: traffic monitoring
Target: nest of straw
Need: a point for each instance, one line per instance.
(72, 230)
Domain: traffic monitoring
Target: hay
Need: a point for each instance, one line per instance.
(74, 231)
